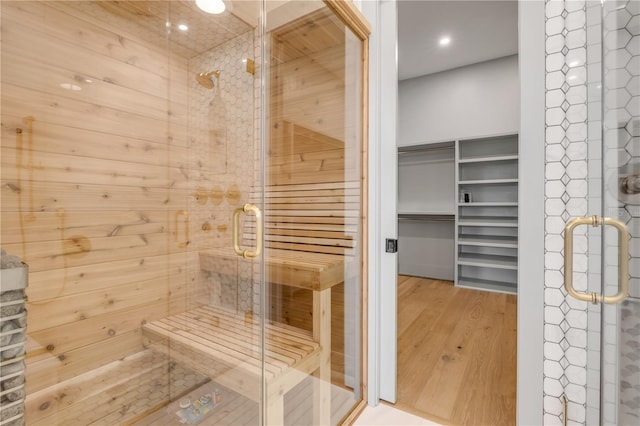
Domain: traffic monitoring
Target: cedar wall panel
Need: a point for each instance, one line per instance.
(94, 184)
(307, 104)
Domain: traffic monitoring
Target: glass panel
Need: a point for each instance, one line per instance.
(620, 364)
(589, 62)
(129, 138)
(313, 236)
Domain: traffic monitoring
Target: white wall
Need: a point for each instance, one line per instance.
(427, 249)
(476, 100)
(531, 23)
(383, 88)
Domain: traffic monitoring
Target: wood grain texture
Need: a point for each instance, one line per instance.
(92, 179)
(456, 353)
(111, 394)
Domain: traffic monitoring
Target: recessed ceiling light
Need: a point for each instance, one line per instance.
(183, 27)
(211, 6)
(71, 86)
(444, 41)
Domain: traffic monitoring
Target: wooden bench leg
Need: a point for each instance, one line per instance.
(322, 335)
(274, 410)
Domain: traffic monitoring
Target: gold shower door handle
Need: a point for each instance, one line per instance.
(247, 253)
(185, 214)
(623, 259)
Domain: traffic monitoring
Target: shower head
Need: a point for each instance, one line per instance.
(208, 79)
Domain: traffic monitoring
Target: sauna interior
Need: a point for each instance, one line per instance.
(185, 190)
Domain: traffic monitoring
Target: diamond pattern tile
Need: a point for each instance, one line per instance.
(577, 132)
(577, 113)
(617, 19)
(577, 95)
(575, 20)
(617, 39)
(634, 46)
(552, 387)
(617, 78)
(572, 144)
(553, 9)
(575, 39)
(634, 25)
(618, 58)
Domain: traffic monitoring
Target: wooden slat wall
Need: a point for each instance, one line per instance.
(299, 155)
(307, 103)
(92, 186)
(307, 146)
(309, 56)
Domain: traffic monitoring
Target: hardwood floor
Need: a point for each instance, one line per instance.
(456, 353)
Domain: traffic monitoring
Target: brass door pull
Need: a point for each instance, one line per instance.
(247, 253)
(623, 259)
(185, 214)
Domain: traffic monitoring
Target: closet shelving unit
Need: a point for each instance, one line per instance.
(487, 213)
(426, 193)
(426, 210)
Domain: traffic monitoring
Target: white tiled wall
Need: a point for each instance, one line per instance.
(222, 161)
(575, 82)
(566, 192)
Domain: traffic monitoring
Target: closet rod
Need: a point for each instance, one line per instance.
(426, 218)
(439, 148)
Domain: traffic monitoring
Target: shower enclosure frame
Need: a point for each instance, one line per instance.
(109, 175)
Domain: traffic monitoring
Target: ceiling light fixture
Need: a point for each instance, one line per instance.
(211, 6)
(444, 41)
(183, 27)
(71, 86)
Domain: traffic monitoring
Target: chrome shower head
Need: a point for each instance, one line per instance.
(208, 79)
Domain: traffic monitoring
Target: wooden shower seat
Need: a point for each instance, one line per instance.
(310, 233)
(226, 346)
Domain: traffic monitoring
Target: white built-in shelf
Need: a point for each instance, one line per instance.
(501, 222)
(488, 261)
(489, 285)
(485, 159)
(487, 227)
(488, 181)
(489, 204)
(488, 241)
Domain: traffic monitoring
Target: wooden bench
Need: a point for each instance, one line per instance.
(310, 235)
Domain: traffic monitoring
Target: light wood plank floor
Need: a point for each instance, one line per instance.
(456, 353)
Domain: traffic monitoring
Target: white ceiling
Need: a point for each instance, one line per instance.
(480, 31)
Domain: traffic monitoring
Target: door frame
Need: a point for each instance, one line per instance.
(382, 268)
(531, 39)
(531, 23)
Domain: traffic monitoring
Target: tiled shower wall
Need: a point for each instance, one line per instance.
(578, 76)
(222, 153)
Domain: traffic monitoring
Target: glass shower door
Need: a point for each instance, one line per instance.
(129, 140)
(314, 203)
(610, 240)
(620, 111)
